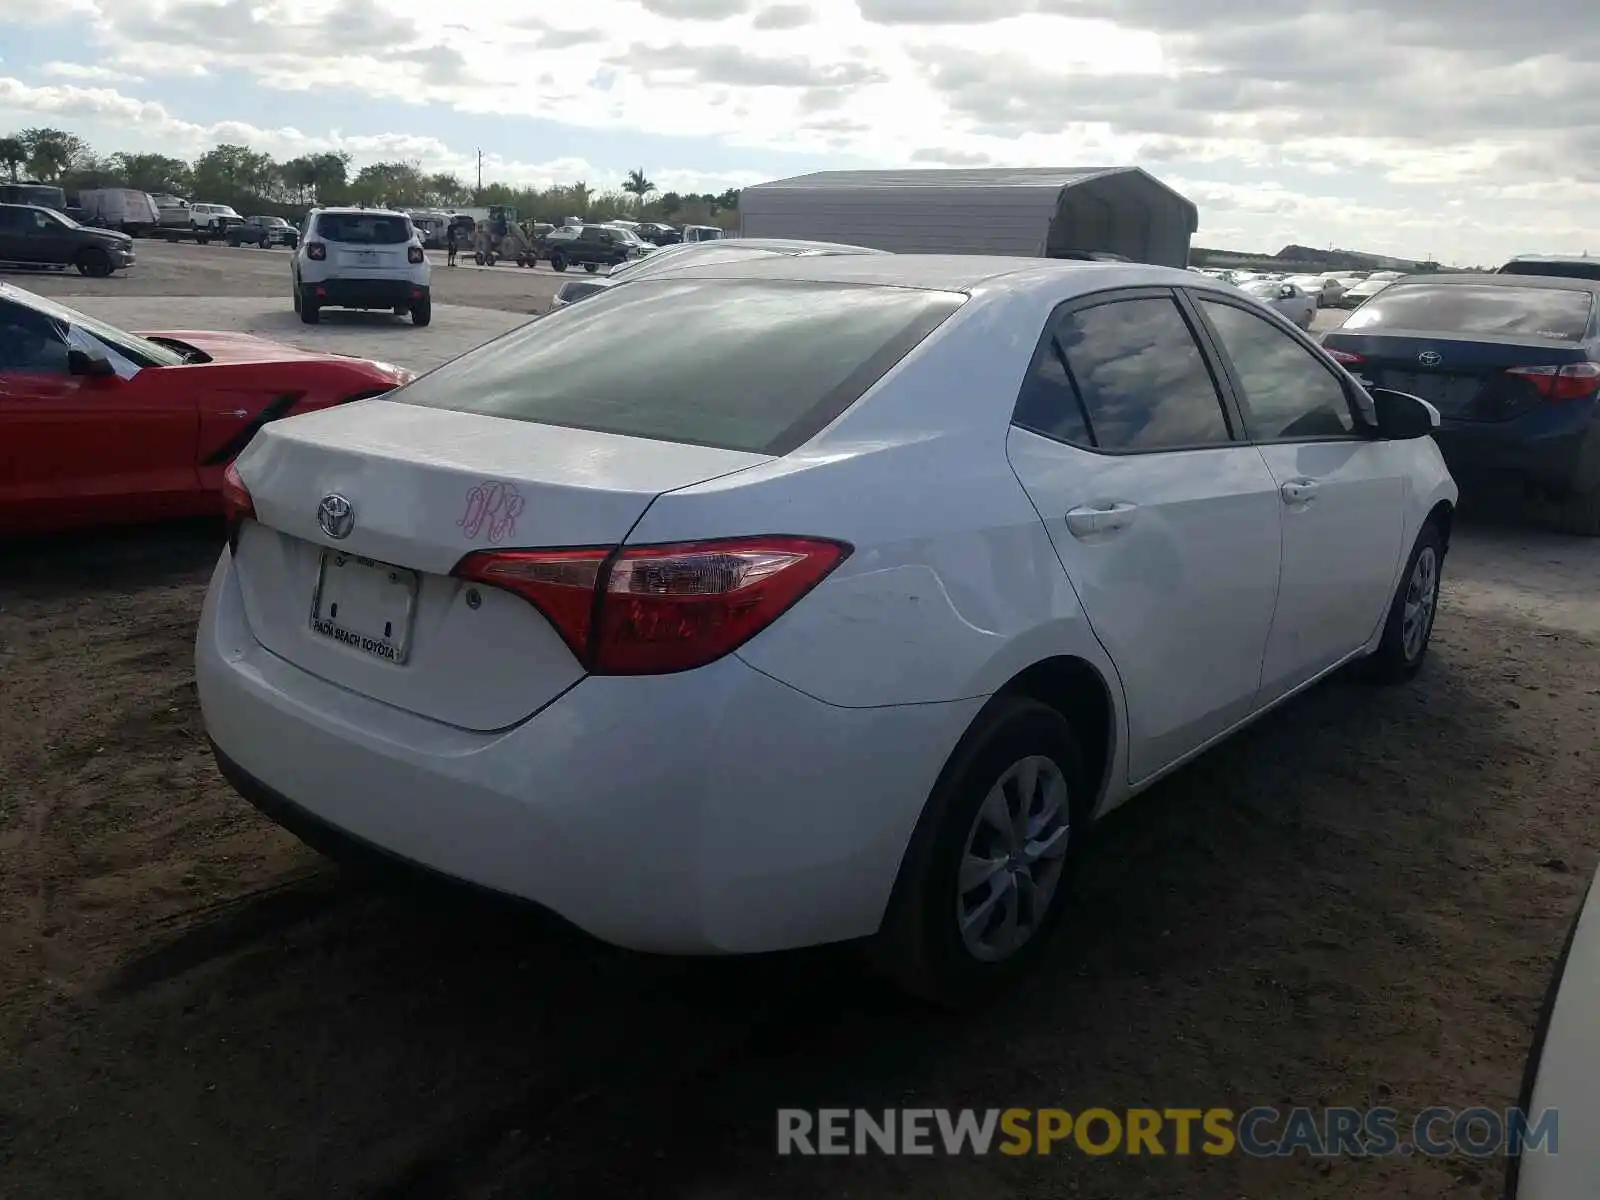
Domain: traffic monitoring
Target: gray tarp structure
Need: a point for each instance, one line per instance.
(1036, 211)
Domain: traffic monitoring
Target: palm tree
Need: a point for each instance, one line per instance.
(13, 153)
(638, 185)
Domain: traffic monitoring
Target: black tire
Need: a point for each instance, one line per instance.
(294, 293)
(1392, 661)
(478, 258)
(401, 310)
(93, 262)
(558, 261)
(422, 312)
(919, 947)
(310, 310)
(591, 267)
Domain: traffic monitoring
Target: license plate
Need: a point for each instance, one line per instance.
(366, 256)
(365, 605)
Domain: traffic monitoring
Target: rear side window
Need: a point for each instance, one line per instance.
(1143, 381)
(1558, 270)
(755, 365)
(363, 229)
(1488, 309)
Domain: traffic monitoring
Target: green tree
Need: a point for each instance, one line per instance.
(13, 155)
(156, 173)
(237, 175)
(638, 185)
(397, 184)
(51, 152)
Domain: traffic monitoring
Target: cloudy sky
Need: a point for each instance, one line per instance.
(1457, 128)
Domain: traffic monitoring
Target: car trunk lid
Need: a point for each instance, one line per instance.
(1467, 379)
(377, 610)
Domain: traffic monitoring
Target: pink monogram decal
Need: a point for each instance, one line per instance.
(492, 507)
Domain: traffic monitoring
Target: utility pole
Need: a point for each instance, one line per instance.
(480, 174)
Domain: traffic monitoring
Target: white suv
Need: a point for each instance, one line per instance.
(361, 258)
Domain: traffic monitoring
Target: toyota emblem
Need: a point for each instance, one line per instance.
(336, 515)
(1430, 358)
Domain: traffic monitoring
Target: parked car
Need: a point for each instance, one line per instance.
(133, 212)
(671, 259)
(172, 213)
(702, 233)
(659, 234)
(588, 246)
(1359, 293)
(1324, 289)
(1553, 265)
(99, 426)
(212, 222)
(1561, 1070)
(32, 236)
(1511, 362)
(361, 258)
(263, 232)
(1285, 298)
(869, 630)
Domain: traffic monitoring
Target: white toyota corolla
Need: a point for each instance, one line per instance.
(811, 599)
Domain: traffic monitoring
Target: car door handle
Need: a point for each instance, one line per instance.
(1087, 520)
(1298, 491)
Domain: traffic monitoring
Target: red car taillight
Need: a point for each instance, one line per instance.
(1345, 357)
(651, 610)
(414, 254)
(1571, 382)
(316, 250)
(237, 505)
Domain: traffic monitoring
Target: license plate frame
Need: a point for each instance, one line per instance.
(390, 643)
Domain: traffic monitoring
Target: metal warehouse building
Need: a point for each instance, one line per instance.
(1043, 211)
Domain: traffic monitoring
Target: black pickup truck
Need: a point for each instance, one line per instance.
(32, 236)
(588, 246)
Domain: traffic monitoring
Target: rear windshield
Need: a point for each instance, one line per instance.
(754, 365)
(364, 229)
(1489, 309)
(1558, 270)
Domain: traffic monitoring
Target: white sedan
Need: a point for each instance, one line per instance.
(811, 599)
(1295, 305)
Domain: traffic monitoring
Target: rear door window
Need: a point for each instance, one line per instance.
(1144, 382)
(754, 365)
(363, 229)
(1483, 309)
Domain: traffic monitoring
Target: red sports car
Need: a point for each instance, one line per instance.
(98, 426)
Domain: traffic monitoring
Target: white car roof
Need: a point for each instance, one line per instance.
(955, 272)
(342, 210)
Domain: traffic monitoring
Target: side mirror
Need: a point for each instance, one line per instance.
(1286, 292)
(1402, 416)
(92, 366)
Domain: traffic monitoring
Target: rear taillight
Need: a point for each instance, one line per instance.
(1344, 356)
(1571, 382)
(414, 254)
(316, 250)
(237, 505)
(650, 610)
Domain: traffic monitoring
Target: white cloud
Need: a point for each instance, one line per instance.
(1463, 129)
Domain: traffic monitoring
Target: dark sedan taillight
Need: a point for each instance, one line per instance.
(414, 254)
(316, 250)
(1575, 381)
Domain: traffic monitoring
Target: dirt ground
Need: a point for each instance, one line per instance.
(1356, 902)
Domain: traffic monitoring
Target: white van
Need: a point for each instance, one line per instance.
(701, 233)
(132, 212)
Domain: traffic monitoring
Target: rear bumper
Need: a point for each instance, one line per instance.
(1556, 447)
(368, 293)
(714, 811)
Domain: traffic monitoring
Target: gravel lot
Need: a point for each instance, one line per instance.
(1356, 902)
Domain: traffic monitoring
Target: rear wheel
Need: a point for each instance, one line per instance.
(310, 311)
(422, 312)
(980, 889)
(558, 261)
(1409, 627)
(591, 267)
(93, 262)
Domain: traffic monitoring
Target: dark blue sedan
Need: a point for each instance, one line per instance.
(1512, 363)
